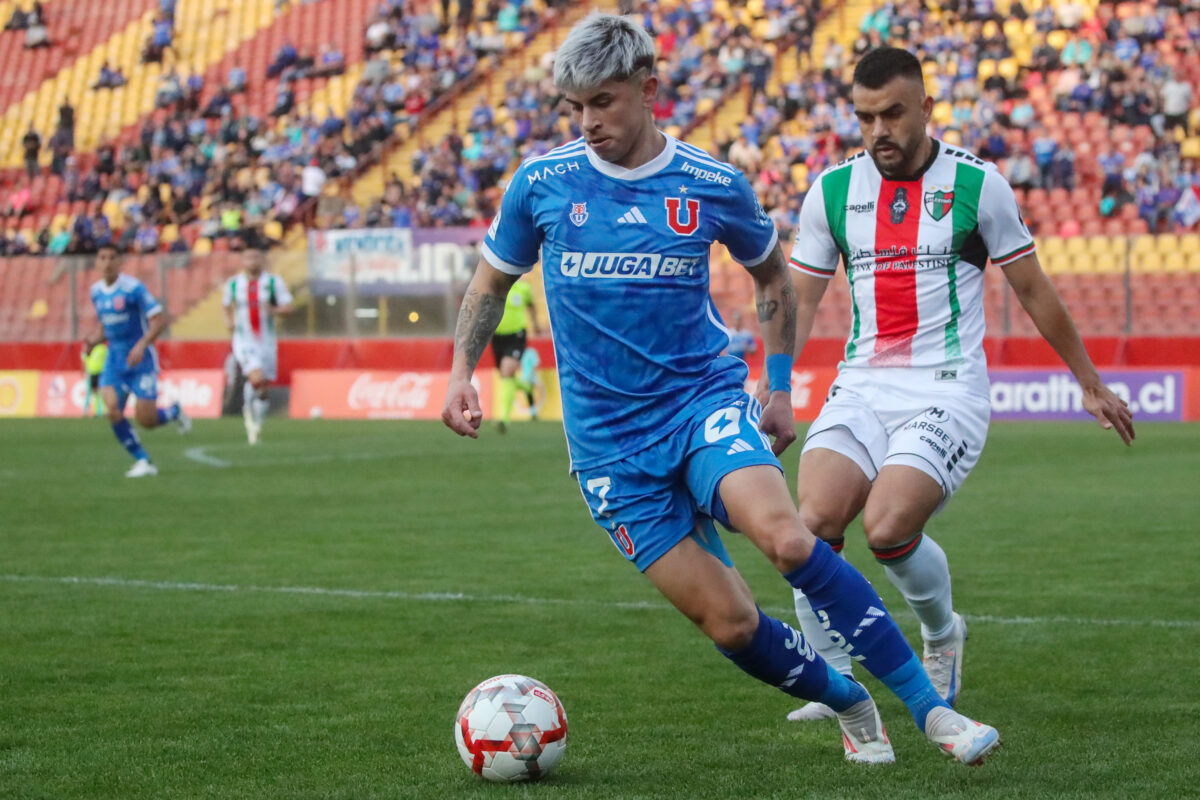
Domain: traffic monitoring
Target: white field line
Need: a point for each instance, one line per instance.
(460, 597)
(200, 456)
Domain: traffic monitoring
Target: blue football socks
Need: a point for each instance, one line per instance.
(859, 623)
(166, 415)
(780, 656)
(129, 439)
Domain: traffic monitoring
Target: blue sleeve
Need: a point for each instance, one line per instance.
(746, 229)
(146, 301)
(513, 241)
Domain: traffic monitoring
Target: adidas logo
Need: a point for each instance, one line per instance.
(738, 446)
(632, 217)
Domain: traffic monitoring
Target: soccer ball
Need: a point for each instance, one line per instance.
(511, 728)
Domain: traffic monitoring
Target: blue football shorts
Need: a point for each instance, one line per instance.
(659, 496)
(141, 381)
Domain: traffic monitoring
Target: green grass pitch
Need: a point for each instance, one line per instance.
(301, 620)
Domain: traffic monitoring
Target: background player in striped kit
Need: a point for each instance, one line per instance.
(663, 438)
(252, 300)
(914, 221)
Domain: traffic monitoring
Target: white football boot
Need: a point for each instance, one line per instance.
(183, 422)
(960, 737)
(811, 712)
(141, 469)
(863, 736)
(943, 661)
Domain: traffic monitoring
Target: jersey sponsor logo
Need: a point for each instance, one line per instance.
(633, 266)
(899, 206)
(688, 224)
(861, 208)
(945, 375)
(579, 214)
(937, 414)
(551, 171)
(938, 203)
(701, 174)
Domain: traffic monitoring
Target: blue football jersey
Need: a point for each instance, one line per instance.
(625, 264)
(124, 309)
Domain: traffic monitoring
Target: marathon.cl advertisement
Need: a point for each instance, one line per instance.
(62, 394)
(1024, 394)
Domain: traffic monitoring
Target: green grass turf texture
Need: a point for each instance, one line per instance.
(144, 691)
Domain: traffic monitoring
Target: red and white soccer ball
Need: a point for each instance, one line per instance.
(511, 728)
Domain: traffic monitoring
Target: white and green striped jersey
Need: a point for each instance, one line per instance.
(252, 301)
(914, 253)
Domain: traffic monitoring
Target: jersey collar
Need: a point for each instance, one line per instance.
(104, 287)
(651, 167)
(934, 150)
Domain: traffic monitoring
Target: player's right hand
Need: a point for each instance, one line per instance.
(461, 412)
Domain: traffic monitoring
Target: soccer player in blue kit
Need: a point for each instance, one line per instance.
(662, 437)
(131, 319)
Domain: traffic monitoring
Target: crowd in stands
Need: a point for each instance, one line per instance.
(202, 161)
(204, 164)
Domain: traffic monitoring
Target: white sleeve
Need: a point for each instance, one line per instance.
(283, 295)
(1004, 232)
(814, 252)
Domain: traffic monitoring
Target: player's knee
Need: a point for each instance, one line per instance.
(888, 527)
(115, 414)
(147, 419)
(824, 522)
(733, 630)
(784, 539)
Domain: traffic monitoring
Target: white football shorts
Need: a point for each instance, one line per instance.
(253, 354)
(876, 418)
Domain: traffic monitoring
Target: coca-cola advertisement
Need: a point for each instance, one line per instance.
(374, 394)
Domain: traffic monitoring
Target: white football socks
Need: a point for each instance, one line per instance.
(924, 580)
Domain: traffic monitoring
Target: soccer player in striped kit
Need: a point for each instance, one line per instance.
(252, 300)
(914, 221)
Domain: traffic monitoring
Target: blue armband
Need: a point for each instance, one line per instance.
(779, 372)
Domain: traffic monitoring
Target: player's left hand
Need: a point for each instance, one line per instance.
(1110, 411)
(778, 421)
(135, 355)
(762, 392)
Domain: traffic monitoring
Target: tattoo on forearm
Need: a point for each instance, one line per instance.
(477, 321)
(767, 309)
(788, 300)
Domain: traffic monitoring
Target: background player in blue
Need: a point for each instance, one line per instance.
(662, 437)
(131, 319)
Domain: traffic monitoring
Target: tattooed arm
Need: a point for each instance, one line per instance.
(478, 317)
(776, 301)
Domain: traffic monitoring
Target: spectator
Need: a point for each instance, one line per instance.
(31, 144)
(285, 57)
(312, 179)
(285, 100)
(1044, 148)
(169, 90)
(61, 144)
(220, 104)
(235, 82)
(1020, 171)
(1176, 96)
(19, 20)
(161, 37)
(330, 62)
(146, 239)
(66, 118)
(109, 78)
(36, 33)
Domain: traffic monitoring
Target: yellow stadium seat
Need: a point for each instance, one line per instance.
(1148, 261)
(1190, 243)
(1009, 68)
(170, 233)
(1143, 244)
(800, 174)
(1174, 262)
(1051, 245)
(1099, 245)
(273, 229)
(1190, 147)
(1167, 243)
(1058, 264)
(1193, 261)
(202, 247)
(1104, 264)
(1077, 244)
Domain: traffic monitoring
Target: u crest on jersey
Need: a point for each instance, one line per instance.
(690, 222)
